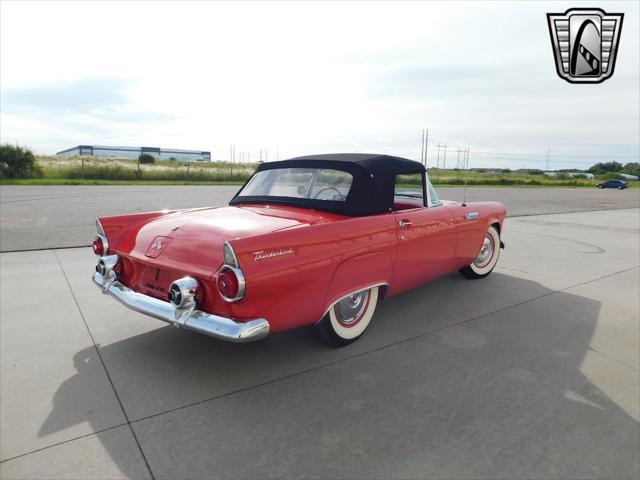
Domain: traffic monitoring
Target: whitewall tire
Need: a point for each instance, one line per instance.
(487, 257)
(348, 318)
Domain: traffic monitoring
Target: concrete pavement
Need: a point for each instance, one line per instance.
(36, 217)
(531, 372)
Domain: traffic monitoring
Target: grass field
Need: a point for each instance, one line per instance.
(108, 171)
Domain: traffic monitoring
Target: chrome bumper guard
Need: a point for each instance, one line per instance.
(189, 318)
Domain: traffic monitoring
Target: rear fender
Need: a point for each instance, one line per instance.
(116, 228)
(493, 221)
(358, 273)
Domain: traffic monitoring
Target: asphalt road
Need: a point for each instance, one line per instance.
(37, 217)
(532, 372)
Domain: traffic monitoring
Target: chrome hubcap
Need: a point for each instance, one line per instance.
(486, 252)
(350, 309)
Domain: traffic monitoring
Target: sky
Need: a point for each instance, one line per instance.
(300, 78)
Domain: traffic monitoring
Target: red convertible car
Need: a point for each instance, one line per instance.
(316, 240)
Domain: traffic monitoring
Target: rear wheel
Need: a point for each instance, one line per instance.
(487, 258)
(348, 318)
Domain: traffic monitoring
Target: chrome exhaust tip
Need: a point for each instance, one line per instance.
(182, 292)
(106, 265)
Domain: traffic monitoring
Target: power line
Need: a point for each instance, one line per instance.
(559, 155)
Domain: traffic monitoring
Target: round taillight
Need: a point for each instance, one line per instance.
(228, 284)
(98, 247)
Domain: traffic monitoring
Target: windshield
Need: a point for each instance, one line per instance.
(310, 183)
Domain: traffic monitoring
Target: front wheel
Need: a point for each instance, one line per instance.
(348, 318)
(486, 260)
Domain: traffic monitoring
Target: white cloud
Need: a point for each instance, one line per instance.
(310, 77)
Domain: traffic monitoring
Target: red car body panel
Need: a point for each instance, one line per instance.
(297, 262)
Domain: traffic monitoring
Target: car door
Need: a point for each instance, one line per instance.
(470, 230)
(426, 237)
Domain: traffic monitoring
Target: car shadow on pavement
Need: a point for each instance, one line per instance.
(521, 391)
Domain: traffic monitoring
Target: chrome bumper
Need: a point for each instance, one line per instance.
(207, 323)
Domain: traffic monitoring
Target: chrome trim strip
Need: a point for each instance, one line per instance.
(351, 293)
(213, 325)
(472, 215)
(228, 245)
(99, 228)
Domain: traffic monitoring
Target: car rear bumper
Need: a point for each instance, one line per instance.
(196, 320)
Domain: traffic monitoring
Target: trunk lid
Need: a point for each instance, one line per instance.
(192, 240)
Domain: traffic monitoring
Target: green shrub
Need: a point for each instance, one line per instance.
(632, 168)
(562, 176)
(605, 167)
(147, 158)
(611, 176)
(17, 162)
(172, 159)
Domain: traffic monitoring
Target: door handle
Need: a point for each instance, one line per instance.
(404, 223)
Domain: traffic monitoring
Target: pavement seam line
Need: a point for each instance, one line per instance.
(551, 277)
(329, 364)
(361, 354)
(104, 366)
(508, 217)
(522, 215)
(619, 362)
(97, 432)
(291, 375)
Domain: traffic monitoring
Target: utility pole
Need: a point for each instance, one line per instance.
(458, 160)
(444, 165)
(422, 148)
(438, 160)
(426, 147)
(547, 167)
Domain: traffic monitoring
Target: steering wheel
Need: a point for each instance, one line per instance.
(338, 194)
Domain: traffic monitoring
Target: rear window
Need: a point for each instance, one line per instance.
(310, 183)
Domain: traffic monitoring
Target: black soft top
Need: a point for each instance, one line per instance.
(372, 189)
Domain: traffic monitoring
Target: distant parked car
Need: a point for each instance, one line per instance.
(619, 184)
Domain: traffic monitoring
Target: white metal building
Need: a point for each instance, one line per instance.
(134, 152)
